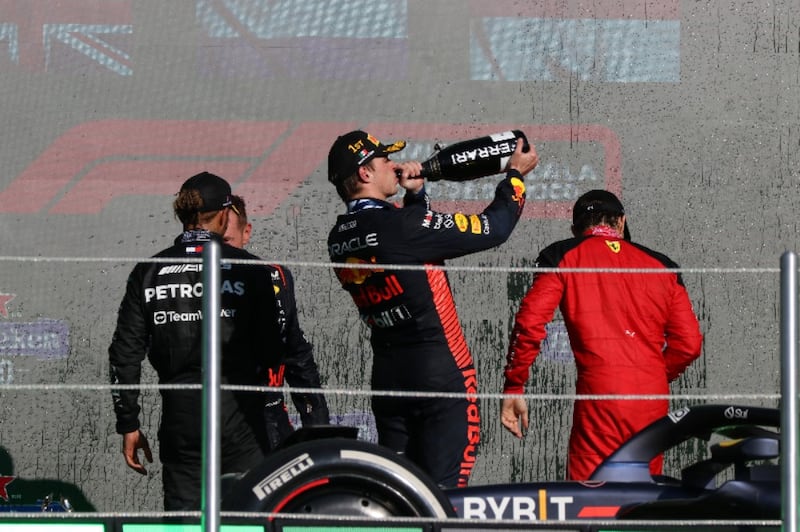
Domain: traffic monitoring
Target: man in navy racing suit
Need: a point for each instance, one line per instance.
(161, 317)
(416, 337)
(300, 369)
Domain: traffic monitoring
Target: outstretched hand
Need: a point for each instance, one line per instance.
(131, 443)
(513, 414)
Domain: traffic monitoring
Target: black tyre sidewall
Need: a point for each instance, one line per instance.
(296, 470)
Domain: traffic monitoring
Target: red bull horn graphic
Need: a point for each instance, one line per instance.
(519, 191)
(348, 276)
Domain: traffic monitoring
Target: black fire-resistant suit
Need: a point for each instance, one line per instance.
(161, 317)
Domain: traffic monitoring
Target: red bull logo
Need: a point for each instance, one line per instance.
(519, 191)
(378, 292)
(461, 222)
(348, 276)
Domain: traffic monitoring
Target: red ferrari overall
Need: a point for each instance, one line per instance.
(630, 333)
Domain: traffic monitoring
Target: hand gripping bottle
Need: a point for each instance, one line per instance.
(474, 158)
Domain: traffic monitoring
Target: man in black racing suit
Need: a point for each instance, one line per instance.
(300, 369)
(161, 317)
(416, 337)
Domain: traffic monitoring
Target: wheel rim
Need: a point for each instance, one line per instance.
(360, 497)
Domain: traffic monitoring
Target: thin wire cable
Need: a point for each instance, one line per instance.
(450, 521)
(393, 393)
(370, 393)
(411, 267)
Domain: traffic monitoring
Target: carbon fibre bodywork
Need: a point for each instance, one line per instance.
(740, 479)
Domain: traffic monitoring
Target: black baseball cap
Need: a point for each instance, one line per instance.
(355, 149)
(598, 201)
(214, 191)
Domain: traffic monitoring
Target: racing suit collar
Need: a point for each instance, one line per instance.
(362, 204)
(197, 235)
(602, 230)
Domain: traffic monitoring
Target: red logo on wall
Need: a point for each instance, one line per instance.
(4, 482)
(4, 300)
(95, 163)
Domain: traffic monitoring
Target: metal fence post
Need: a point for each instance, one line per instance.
(212, 353)
(789, 397)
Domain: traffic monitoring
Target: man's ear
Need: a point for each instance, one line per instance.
(222, 220)
(246, 232)
(364, 174)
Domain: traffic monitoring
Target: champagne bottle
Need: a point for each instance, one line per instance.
(474, 158)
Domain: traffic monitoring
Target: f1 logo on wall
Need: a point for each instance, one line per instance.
(97, 162)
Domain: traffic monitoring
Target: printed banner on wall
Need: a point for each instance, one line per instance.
(616, 41)
(68, 35)
(355, 39)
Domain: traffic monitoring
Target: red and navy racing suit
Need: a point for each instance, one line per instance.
(161, 317)
(630, 333)
(416, 336)
(299, 370)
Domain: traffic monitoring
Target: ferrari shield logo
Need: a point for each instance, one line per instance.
(613, 245)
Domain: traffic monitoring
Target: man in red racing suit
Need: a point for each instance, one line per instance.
(416, 337)
(630, 333)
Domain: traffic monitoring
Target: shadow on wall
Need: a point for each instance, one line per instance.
(43, 495)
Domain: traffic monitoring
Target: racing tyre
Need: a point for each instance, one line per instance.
(338, 476)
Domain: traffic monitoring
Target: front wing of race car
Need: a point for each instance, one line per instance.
(327, 472)
(559, 501)
(740, 479)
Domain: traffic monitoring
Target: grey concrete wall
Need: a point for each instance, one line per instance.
(689, 110)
